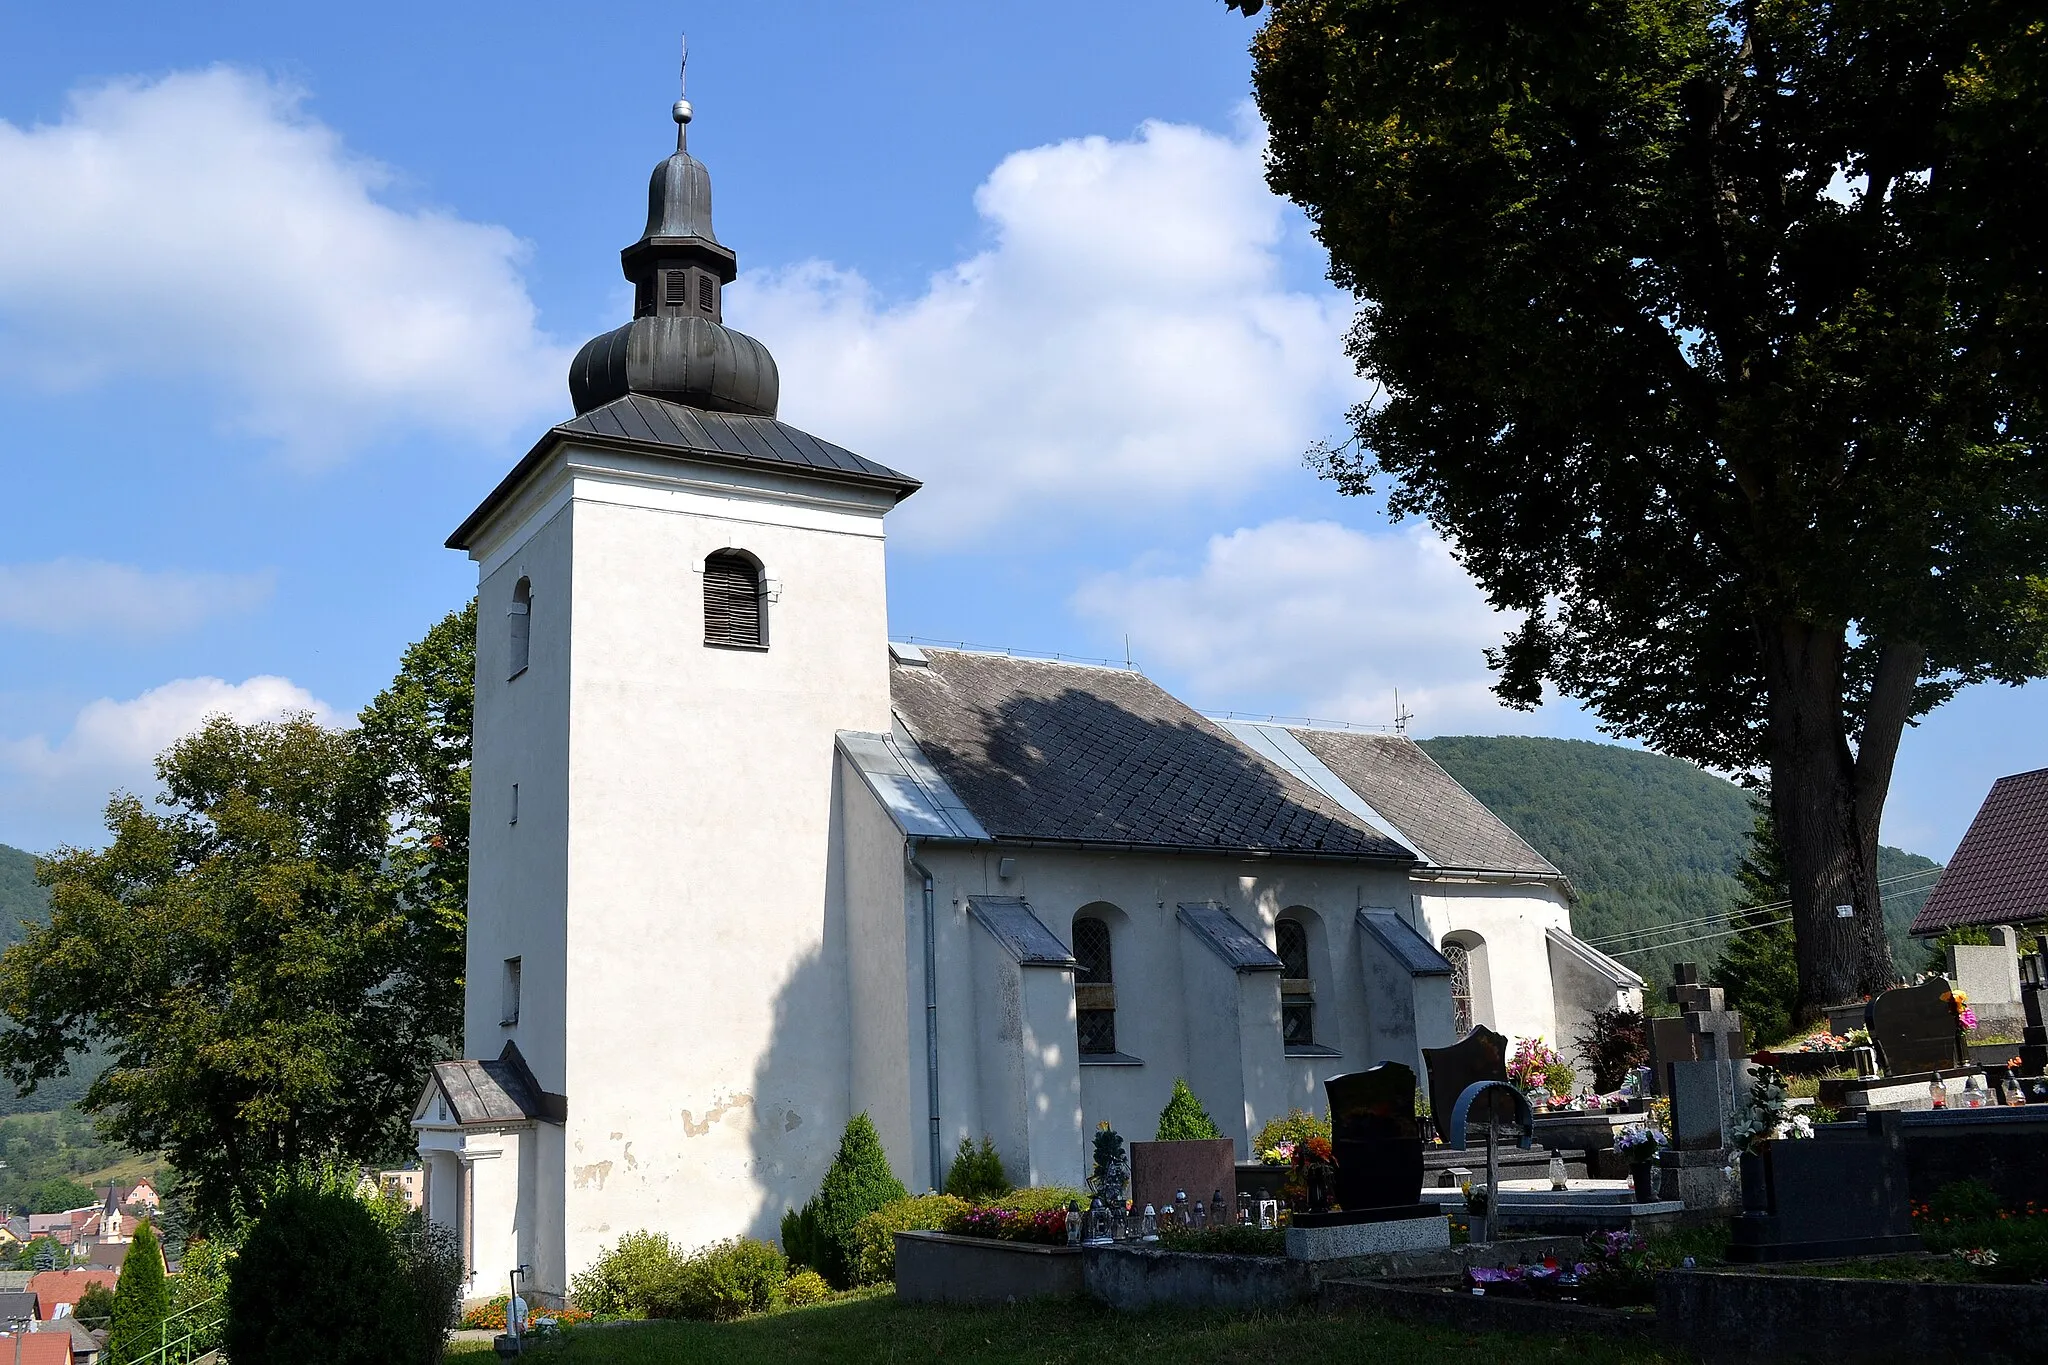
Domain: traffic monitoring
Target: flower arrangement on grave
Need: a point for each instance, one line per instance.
(1639, 1143)
(1540, 1073)
(1312, 1178)
(1966, 1018)
(1047, 1227)
(1770, 1115)
(1276, 1141)
(1111, 1177)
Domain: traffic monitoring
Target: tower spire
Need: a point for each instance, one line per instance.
(682, 111)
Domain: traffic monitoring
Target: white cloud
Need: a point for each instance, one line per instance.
(1314, 618)
(92, 597)
(1125, 340)
(203, 227)
(54, 790)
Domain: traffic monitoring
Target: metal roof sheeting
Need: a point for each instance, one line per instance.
(1621, 976)
(1407, 947)
(1999, 874)
(1240, 949)
(908, 787)
(1010, 921)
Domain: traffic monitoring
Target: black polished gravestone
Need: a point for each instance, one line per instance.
(1481, 1055)
(1377, 1142)
(1915, 1029)
(1840, 1193)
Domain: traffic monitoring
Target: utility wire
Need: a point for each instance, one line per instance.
(1659, 947)
(1694, 921)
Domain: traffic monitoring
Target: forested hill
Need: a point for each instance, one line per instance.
(22, 898)
(1647, 840)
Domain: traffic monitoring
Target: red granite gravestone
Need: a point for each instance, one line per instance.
(1160, 1170)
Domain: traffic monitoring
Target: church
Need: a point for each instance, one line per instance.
(741, 867)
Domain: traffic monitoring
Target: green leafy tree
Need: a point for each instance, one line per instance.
(317, 1278)
(285, 928)
(1759, 967)
(1184, 1119)
(1709, 335)
(95, 1307)
(858, 1183)
(142, 1300)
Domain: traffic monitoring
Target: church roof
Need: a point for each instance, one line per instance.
(494, 1092)
(658, 426)
(1067, 753)
(1432, 813)
(1999, 874)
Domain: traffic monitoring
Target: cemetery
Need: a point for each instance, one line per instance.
(1703, 1208)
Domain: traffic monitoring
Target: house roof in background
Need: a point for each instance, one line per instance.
(1999, 874)
(67, 1286)
(40, 1348)
(19, 1303)
(1071, 753)
(1444, 822)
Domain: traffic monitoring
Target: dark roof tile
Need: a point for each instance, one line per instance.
(1999, 874)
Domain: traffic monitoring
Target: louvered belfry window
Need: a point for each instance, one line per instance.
(1297, 990)
(707, 294)
(675, 288)
(1094, 988)
(732, 602)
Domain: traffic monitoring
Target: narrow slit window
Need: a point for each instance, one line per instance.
(675, 288)
(1094, 989)
(508, 1015)
(1297, 989)
(518, 628)
(732, 602)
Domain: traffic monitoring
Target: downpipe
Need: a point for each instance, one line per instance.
(931, 1006)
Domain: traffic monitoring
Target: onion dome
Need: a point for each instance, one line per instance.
(677, 346)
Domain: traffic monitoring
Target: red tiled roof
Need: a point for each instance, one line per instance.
(1999, 874)
(37, 1348)
(67, 1286)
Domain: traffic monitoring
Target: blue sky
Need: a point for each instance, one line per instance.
(283, 291)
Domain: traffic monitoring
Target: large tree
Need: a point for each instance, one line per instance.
(1714, 339)
(271, 954)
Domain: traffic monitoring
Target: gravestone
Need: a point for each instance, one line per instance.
(1161, 1170)
(1839, 1193)
(1705, 1029)
(1988, 975)
(1915, 1029)
(1707, 1097)
(2034, 1039)
(1377, 1142)
(1481, 1055)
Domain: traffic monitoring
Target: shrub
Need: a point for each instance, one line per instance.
(429, 1277)
(1184, 1119)
(730, 1279)
(95, 1307)
(858, 1183)
(1964, 1201)
(1039, 1198)
(141, 1299)
(637, 1278)
(806, 1287)
(977, 1172)
(874, 1259)
(1231, 1239)
(1615, 1043)
(317, 1279)
(1293, 1128)
(801, 1240)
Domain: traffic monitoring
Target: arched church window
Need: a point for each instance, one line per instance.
(1297, 988)
(518, 628)
(1094, 988)
(1460, 958)
(732, 602)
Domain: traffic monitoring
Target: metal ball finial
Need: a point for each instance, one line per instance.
(681, 112)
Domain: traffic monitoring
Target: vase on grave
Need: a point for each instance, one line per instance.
(1645, 1177)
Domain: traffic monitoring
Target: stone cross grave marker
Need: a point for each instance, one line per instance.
(1705, 1030)
(1481, 1055)
(1915, 1029)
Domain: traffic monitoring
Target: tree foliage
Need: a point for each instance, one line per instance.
(1758, 967)
(271, 955)
(1711, 336)
(142, 1300)
(1184, 1119)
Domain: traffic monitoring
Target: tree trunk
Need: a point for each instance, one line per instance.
(1828, 804)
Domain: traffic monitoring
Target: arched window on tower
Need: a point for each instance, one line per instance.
(733, 618)
(518, 628)
(1094, 988)
(1297, 986)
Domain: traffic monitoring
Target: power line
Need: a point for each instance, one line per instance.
(1672, 925)
(1659, 947)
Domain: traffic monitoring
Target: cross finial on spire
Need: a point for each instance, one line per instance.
(682, 109)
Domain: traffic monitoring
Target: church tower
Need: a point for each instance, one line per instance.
(680, 602)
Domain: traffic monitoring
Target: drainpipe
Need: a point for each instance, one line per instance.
(931, 1003)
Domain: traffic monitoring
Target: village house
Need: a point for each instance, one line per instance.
(741, 867)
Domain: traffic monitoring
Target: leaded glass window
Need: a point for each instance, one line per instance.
(1460, 959)
(1094, 988)
(1297, 990)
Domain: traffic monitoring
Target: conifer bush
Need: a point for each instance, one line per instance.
(1184, 1119)
(802, 1243)
(977, 1172)
(858, 1183)
(142, 1300)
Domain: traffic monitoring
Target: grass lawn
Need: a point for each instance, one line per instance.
(878, 1328)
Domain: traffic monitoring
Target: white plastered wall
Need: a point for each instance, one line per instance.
(1512, 993)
